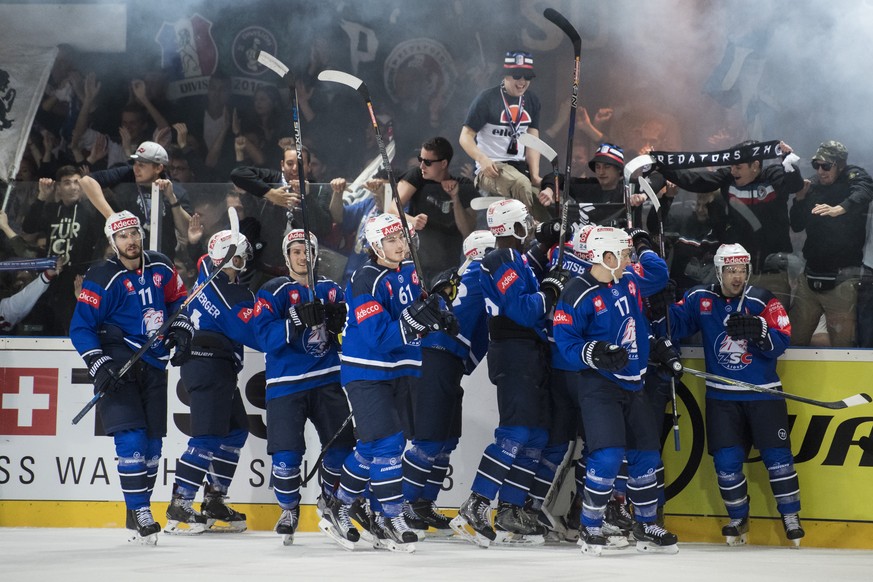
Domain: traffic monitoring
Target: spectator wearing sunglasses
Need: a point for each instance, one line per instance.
(832, 209)
(440, 205)
(494, 121)
(754, 213)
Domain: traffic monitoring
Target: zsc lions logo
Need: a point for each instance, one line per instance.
(627, 338)
(731, 354)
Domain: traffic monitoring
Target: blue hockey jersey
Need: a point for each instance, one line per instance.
(295, 362)
(471, 343)
(373, 347)
(588, 310)
(225, 308)
(511, 290)
(135, 302)
(705, 309)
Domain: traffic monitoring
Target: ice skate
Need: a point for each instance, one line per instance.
(360, 512)
(618, 516)
(654, 539)
(215, 510)
(514, 526)
(736, 531)
(393, 534)
(182, 518)
(287, 525)
(422, 514)
(475, 512)
(591, 540)
(336, 523)
(793, 529)
(145, 527)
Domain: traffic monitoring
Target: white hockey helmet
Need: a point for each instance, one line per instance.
(221, 241)
(298, 235)
(505, 215)
(378, 227)
(591, 244)
(478, 243)
(118, 222)
(732, 254)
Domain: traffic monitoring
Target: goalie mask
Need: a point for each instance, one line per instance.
(478, 243)
(220, 242)
(732, 254)
(298, 235)
(118, 222)
(592, 242)
(505, 217)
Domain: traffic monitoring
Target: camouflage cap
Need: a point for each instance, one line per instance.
(831, 151)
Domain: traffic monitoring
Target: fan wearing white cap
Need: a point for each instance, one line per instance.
(218, 422)
(124, 302)
(299, 330)
(744, 330)
(601, 331)
(132, 186)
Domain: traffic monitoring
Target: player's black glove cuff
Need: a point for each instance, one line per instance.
(600, 355)
(179, 336)
(663, 352)
(641, 239)
(335, 316)
(548, 233)
(747, 327)
(420, 318)
(104, 372)
(553, 285)
(305, 315)
(661, 301)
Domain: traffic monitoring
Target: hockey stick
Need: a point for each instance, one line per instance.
(531, 141)
(656, 204)
(558, 20)
(483, 202)
(324, 450)
(159, 335)
(359, 86)
(549, 501)
(280, 69)
(855, 400)
(629, 169)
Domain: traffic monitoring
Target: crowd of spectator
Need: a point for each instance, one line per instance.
(811, 241)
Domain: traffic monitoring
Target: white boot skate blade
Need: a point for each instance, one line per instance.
(178, 528)
(392, 546)
(590, 549)
(218, 526)
(739, 540)
(287, 539)
(616, 543)
(327, 527)
(652, 548)
(459, 526)
(795, 544)
(149, 540)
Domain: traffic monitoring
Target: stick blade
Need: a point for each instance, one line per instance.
(857, 400)
(272, 63)
(341, 77)
(639, 162)
(561, 22)
(650, 192)
(531, 141)
(483, 202)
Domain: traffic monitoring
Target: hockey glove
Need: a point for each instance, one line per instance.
(335, 316)
(553, 285)
(548, 233)
(179, 337)
(641, 239)
(600, 355)
(307, 315)
(746, 327)
(420, 318)
(446, 284)
(663, 352)
(661, 301)
(450, 323)
(104, 373)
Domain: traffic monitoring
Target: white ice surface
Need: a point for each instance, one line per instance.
(104, 555)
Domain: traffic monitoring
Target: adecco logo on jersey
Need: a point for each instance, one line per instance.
(507, 280)
(366, 310)
(90, 298)
(562, 318)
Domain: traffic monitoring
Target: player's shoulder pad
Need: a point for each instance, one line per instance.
(154, 258)
(578, 287)
(104, 273)
(759, 295)
(275, 284)
(367, 278)
(495, 258)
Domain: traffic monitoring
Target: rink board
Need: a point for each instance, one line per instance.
(54, 474)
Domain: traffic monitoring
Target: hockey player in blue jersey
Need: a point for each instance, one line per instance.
(600, 329)
(381, 355)
(124, 301)
(518, 356)
(437, 397)
(299, 337)
(745, 329)
(221, 316)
